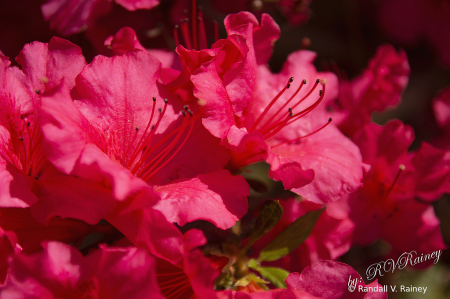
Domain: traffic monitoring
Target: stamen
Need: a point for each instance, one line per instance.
(272, 103)
(185, 32)
(401, 167)
(314, 132)
(175, 35)
(194, 24)
(138, 149)
(146, 177)
(145, 147)
(312, 107)
(285, 104)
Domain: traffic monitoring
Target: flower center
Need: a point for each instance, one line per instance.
(142, 160)
(24, 150)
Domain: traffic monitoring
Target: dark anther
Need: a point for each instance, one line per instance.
(304, 81)
(160, 110)
(320, 92)
(137, 129)
(291, 79)
(21, 138)
(37, 91)
(291, 114)
(154, 99)
(183, 112)
(318, 81)
(185, 107)
(165, 101)
(153, 127)
(21, 116)
(190, 112)
(28, 124)
(290, 109)
(289, 85)
(330, 119)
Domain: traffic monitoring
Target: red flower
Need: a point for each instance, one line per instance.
(386, 206)
(72, 16)
(379, 87)
(60, 271)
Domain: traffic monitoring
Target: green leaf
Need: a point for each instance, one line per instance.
(269, 215)
(289, 239)
(276, 276)
(253, 264)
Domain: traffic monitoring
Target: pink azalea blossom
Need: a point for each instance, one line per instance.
(386, 206)
(378, 87)
(114, 134)
(60, 271)
(441, 108)
(329, 280)
(72, 16)
(247, 108)
(8, 246)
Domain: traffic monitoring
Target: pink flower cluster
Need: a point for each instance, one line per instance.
(126, 177)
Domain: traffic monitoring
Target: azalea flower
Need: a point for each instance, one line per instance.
(247, 108)
(72, 16)
(386, 206)
(29, 183)
(378, 88)
(441, 108)
(150, 151)
(330, 280)
(60, 271)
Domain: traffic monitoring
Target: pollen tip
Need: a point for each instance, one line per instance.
(137, 129)
(21, 116)
(317, 80)
(185, 107)
(330, 119)
(21, 138)
(154, 99)
(291, 114)
(28, 124)
(320, 92)
(290, 109)
(44, 80)
(324, 81)
(183, 112)
(153, 127)
(37, 91)
(401, 167)
(304, 81)
(160, 110)
(190, 112)
(291, 79)
(289, 85)
(201, 102)
(165, 101)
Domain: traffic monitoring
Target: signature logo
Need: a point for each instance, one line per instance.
(411, 258)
